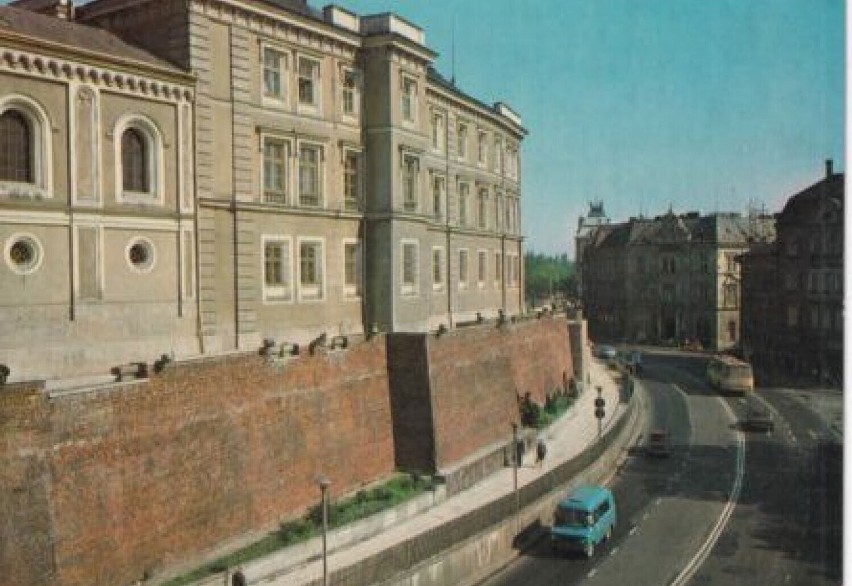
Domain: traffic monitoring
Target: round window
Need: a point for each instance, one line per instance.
(23, 253)
(140, 255)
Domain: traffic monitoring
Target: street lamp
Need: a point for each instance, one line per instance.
(324, 483)
(516, 455)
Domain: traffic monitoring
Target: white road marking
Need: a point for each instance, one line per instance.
(705, 549)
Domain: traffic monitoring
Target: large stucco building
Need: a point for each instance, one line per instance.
(300, 172)
(673, 278)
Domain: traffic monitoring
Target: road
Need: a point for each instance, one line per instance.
(728, 507)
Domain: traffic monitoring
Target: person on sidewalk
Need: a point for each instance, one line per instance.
(540, 452)
(238, 578)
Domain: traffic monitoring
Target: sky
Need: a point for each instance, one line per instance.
(646, 105)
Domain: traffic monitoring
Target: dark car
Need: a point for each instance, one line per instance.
(758, 418)
(605, 352)
(658, 444)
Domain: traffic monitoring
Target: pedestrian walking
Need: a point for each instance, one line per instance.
(540, 452)
(239, 579)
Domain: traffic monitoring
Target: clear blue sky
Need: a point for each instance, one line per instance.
(697, 104)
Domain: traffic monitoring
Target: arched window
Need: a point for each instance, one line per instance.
(16, 148)
(139, 161)
(134, 161)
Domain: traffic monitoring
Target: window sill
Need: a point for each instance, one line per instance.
(14, 190)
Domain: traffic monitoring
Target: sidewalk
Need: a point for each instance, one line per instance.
(565, 439)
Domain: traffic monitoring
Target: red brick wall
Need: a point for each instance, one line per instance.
(98, 487)
(475, 374)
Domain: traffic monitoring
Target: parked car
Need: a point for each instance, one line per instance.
(605, 352)
(758, 418)
(632, 361)
(658, 444)
(583, 520)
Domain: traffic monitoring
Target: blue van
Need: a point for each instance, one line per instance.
(583, 520)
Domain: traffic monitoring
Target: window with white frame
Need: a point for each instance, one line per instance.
(498, 154)
(510, 267)
(408, 91)
(349, 92)
(461, 137)
(274, 74)
(482, 217)
(498, 268)
(309, 81)
(437, 131)
(498, 211)
(277, 269)
(464, 193)
(409, 267)
(463, 268)
(25, 154)
(310, 175)
(410, 168)
(139, 158)
(437, 268)
(276, 157)
(482, 151)
(507, 216)
(439, 188)
(311, 269)
(482, 268)
(351, 179)
(351, 268)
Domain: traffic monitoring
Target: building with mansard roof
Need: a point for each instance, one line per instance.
(299, 174)
(670, 279)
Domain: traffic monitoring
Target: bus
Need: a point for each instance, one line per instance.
(731, 375)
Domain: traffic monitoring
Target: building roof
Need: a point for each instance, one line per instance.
(811, 201)
(439, 80)
(74, 35)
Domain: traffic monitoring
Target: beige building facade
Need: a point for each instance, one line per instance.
(314, 175)
(97, 217)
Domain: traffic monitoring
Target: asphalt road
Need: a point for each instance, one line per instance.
(676, 513)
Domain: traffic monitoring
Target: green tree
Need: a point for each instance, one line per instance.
(548, 277)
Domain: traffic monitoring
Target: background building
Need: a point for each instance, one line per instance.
(793, 290)
(671, 279)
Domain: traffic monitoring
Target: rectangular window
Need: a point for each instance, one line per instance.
(498, 155)
(463, 268)
(274, 74)
(498, 268)
(482, 155)
(437, 132)
(792, 316)
(309, 77)
(409, 99)
(498, 212)
(410, 166)
(437, 268)
(814, 312)
(464, 191)
(310, 270)
(409, 267)
(351, 180)
(483, 205)
(462, 141)
(349, 89)
(275, 158)
(309, 175)
(277, 285)
(438, 191)
(351, 269)
(482, 268)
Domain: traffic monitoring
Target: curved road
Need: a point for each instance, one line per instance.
(676, 522)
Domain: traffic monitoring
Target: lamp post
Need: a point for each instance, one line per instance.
(516, 455)
(324, 483)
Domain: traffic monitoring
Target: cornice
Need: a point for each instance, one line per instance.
(281, 25)
(57, 68)
(471, 107)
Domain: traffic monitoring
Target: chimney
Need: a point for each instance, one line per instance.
(829, 168)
